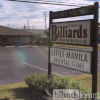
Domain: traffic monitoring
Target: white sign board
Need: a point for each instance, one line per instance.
(78, 60)
(77, 32)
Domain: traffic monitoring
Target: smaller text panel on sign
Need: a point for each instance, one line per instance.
(74, 59)
(77, 32)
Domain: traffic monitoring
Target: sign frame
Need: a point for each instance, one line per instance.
(91, 27)
(74, 68)
(79, 12)
(93, 10)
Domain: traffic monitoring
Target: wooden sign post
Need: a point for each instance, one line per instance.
(82, 33)
(95, 50)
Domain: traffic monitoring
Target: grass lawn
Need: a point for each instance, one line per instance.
(75, 46)
(20, 91)
(86, 79)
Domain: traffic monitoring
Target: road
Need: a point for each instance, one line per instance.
(18, 62)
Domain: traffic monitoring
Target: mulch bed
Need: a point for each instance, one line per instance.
(40, 96)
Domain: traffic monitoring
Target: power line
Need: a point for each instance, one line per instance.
(54, 3)
(44, 1)
(60, 2)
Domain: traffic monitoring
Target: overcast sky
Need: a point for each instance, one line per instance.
(16, 14)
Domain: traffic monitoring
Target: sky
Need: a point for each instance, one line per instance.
(17, 14)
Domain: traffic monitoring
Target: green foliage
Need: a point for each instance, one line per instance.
(40, 81)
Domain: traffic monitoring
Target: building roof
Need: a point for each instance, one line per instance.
(10, 31)
(36, 31)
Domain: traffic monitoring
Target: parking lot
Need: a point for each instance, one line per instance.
(18, 62)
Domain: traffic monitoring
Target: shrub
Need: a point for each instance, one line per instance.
(40, 82)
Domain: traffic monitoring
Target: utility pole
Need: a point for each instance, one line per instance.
(32, 26)
(24, 26)
(8, 25)
(45, 19)
(28, 24)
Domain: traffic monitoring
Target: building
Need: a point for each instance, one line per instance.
(40, 35)
(9, 37)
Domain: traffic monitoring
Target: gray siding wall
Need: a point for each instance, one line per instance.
(24, 39)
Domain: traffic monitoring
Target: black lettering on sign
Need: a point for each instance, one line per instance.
(85, 33)
(74, 33)
(88, 10)
(61, 31)
(54, 35)
(70, 33)
(79, 33)
(66, 32)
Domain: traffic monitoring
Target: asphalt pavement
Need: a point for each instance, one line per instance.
(18, 62)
